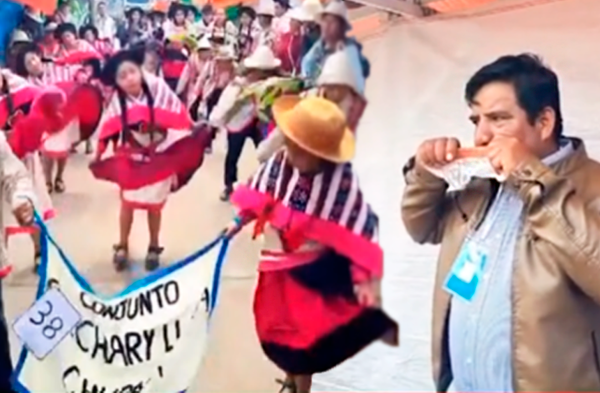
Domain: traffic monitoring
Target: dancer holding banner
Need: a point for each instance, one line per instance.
(156, 153)
(317, 301)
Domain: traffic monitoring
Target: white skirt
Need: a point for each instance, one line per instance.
(150, 197)
(59, 144)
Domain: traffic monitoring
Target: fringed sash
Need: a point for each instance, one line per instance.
(169, 112)
(327, 207)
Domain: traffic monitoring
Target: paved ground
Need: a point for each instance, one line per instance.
(415, 92)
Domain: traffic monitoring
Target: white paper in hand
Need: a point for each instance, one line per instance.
(459, 172)
(46, 323)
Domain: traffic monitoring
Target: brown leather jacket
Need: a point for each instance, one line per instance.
(556, 277)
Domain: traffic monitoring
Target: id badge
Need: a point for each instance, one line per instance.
(465, 275)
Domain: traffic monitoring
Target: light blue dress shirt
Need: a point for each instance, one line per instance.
(480, 331)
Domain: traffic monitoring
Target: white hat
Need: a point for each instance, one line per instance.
(51, 26)
(225, 52)
(300, 14)
(262, 58)
(337, 70)
(312, 8)
(266, 7)
(337, 8)
(19, 36)
(204, 43)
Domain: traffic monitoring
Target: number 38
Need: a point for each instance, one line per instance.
(51, 326)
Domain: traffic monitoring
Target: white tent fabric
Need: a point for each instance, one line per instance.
(415, 92)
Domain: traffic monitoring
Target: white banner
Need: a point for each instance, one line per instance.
(149, 338)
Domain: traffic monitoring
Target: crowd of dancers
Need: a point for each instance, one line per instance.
(153, 97)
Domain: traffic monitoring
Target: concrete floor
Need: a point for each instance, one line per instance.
(415, 92)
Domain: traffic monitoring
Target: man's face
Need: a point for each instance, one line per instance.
(102, 9)
(495, 112)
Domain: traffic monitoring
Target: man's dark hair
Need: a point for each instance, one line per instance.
(536, 85)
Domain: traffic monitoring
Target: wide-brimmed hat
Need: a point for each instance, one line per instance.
(337, 70)
(262, 58)
(224, 53)
(204, 44)
(19, 36)
(300, 14)
(63, 28)
(339, 9)
(316, 125)
(266, 8)
(109, 71)
(312, 8)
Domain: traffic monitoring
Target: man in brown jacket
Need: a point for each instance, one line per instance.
(517, 291)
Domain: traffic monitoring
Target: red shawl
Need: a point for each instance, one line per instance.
(181, 159)
(84, 51)
(327, 207)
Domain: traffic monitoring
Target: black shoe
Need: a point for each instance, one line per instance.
(120, 257)
(226, 194)
(153, 258)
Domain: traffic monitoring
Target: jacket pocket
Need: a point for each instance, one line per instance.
(596, 350)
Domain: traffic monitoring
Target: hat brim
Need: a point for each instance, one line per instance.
(344, 20)
(250, 65)
(281, 110)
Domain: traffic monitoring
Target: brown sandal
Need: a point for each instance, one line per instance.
(59, 185)
(50, 187)
(287, 385)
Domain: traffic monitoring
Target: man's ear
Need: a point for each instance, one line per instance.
(545, 123)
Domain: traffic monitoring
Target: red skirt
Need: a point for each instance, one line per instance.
(308, 320)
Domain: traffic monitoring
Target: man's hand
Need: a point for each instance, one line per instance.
(508, 154)
(24, 213)
(437, 152)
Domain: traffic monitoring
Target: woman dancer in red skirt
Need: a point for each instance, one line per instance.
(55, 147)
(156, 154)
(317, 300)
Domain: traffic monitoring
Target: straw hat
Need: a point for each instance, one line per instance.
(317, 125)
(337, 70)
(337, 8)
(313, 8)
(262, 58)
(266, 7)
(300, 14)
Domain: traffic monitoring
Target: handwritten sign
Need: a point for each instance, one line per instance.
(149, 338)
(49, 321)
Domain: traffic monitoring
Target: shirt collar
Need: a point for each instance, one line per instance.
(565, 149)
